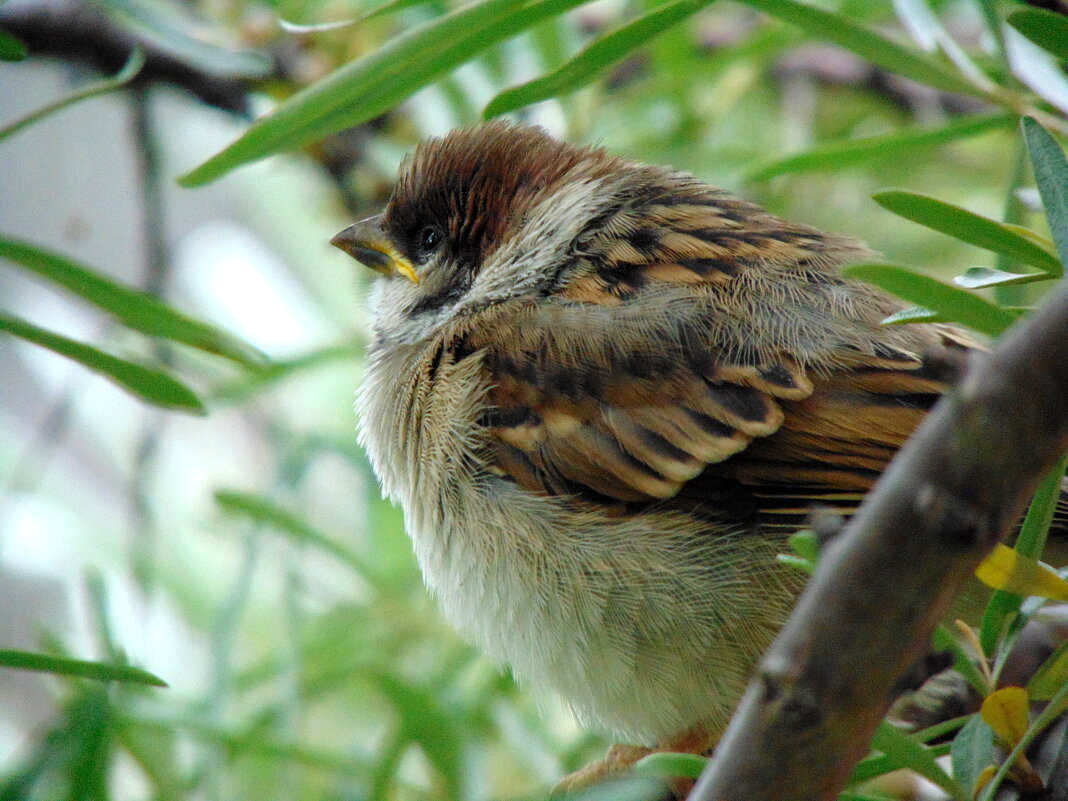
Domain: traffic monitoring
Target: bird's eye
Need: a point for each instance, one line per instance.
(430, 238)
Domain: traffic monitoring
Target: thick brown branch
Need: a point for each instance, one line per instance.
(954, 490)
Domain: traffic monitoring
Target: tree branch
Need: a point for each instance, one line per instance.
(77, 31)
(955, 489)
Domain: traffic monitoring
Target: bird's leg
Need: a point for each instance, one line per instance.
(621, 758)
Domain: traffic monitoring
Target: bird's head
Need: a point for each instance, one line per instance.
(483, 215)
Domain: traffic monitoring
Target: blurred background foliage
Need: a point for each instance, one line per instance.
(181, 495)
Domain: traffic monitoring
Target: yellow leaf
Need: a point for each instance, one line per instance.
(1005, 569)
(1006, 712)
(983, 779)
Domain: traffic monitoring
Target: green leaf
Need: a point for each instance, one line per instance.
(983, 277)
(62, 666)
(1046, 29)
(270, 514)
(963, 659)
(848, 153)
(878, 764)
(1031, 542)
(907, 752)
(247, 385)
(426, 722)
(1036, 69)
(174, 29)
(929, 33)
(954, 304)
(914, 314)
(1051, 676)
(369, 86)
(806, 551)
(150, 385)
(972, 752)
(121, 78)
(1051, 175)
(392, 7)
(12, 48)
(88, 765)
(667, 765)
(628, 788)
(868, 44)
(968, 227)
(595, 57)
(133, 308)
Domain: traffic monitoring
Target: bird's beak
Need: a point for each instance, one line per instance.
(367, 243)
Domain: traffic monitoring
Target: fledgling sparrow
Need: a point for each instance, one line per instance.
(601, 391)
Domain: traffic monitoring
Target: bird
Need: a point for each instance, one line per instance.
(603, 393)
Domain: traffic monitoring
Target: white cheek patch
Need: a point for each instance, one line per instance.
(550, 229)
(390, 301)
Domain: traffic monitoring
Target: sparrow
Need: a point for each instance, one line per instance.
(603, 392)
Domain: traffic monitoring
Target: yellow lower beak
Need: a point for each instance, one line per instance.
(367, 243)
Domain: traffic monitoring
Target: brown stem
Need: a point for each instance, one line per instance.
(956, 488)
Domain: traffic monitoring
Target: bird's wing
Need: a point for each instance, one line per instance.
(640, 381)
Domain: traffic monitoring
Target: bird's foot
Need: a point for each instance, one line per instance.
(621, 758)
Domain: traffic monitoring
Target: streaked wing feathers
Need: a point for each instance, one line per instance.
(639, 377)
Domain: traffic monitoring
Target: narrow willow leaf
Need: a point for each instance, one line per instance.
(150, 385)
(972, 752)
(1004, 606)
(62, 666)
(1050, 676)
(1006, 569)
(667, 765)
(1031, 541)
(367, 87)
(173, 28)
(285, 522)
(595, 58)
(317, 27)
(1037, 69)
(878, 764)
(246, 385)
(1006, 712)
(929, 33)
(133, 308)
(848, 153)
(426, 722)
(963, 659)
(121, 78)
(242, 741)
(795, 562)
(1051, 175)
(954, 304)
(982, 277)
(1045, 28)
(1033, 236)
(914, 314)
(909, 753)
(12, 48)
(967, 226)
(392, 7)
(868, 44)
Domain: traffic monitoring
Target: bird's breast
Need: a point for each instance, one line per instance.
(643, 623)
